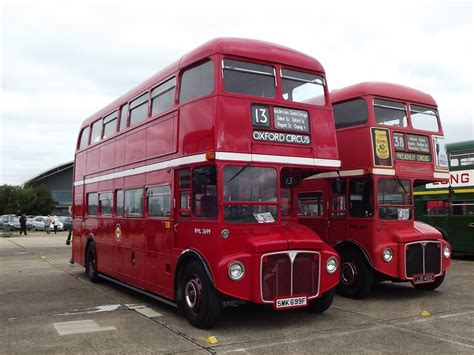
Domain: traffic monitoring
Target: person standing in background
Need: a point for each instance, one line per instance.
(55, 223)
(47, 224)
(23, 224)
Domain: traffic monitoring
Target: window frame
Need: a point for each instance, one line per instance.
(302, 80)
(116, 202)
(249, 71)
(436, 115)
(110, 193)
(123, 126)
(387, 107)
(184, 212)
(335, 212)
(319, 201)
(142, 206)
(193, 192)
(147, 209)
(88, 196)
(108, 119)
(97, 123)
(86, 144)
(358, 124)
(161, 93)
(191, 67)
(138, 101)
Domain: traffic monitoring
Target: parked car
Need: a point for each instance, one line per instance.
(30, 223)
(6, 219)
(67, 222)
(38, 223)
(15, 223)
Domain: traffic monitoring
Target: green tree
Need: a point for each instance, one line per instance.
(28, 200)
(44, 203)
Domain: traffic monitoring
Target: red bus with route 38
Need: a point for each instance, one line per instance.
(183, 186)
(390, 139)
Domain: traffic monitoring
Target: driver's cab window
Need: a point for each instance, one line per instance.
(338, 203)
(310, 204)
(205, 192)
(285, 201)
(361, 201)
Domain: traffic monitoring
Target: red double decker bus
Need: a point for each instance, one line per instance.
(390, 139)
(183, 186)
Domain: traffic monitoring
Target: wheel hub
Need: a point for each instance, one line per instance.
(193, 293)
(349, 273)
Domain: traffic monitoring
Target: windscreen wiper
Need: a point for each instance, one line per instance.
(397, 179)
(239, 172)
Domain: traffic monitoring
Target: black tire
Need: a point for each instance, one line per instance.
(357, 277)
(319, 305)
(431, 286)
(200, 302)
(91, 263)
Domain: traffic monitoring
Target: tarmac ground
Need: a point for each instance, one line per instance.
(49, 306)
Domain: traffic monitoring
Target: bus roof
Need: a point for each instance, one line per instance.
(460, 146)
(388, 90)
(240, 47)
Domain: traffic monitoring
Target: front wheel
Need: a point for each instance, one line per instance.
(431, 286)
(357, 277)
(200, 301)
(319, 305)
(91, 263)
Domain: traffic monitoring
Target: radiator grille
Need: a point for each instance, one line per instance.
(290, 273)
(423, 258)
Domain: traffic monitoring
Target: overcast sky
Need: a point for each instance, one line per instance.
(63, 60)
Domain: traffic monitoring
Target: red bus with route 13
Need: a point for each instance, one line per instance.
(183, 186)
(390, 139)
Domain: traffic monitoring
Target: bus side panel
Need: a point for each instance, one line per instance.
(93, 159)
(107, 158)
(80, 167)
(161, 136)
(196, 124)
(135, 146)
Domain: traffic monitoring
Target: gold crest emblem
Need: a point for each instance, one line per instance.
(381, 145)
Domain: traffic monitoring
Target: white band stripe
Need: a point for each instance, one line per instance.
(219, 156)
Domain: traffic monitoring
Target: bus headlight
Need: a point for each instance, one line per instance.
(446, 252)
(331, 265)
(236, 270)
(387, 254)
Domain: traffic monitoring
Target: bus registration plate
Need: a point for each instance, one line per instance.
(423, 278)
(292, 302)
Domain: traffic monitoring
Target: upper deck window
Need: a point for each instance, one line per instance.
(110, 124)
(424, 118)
(390, 113)
(139, 109)
(461, 159)
(303, 87)
(84, 138)
(96, 131)
(248, 78)
(123, 117)
(197, 82)
(350, 113)
(162, 96)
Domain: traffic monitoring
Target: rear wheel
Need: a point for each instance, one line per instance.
(201, 303)
(357, 277)
(431, 286)
(91, 263)
(319, 305)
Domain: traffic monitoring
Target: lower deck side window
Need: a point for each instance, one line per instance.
(134, 203)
